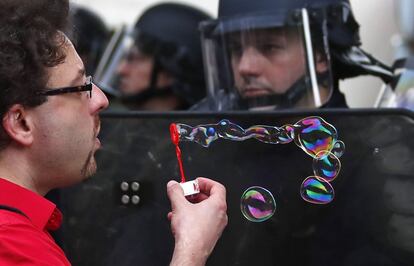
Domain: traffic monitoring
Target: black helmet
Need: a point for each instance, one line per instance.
(90, 36)
(327, 39)
(168, 34)
(343, 28)
(176, 25)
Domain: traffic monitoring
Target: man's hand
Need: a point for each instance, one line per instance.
(196, 225)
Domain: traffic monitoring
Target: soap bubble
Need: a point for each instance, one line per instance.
(326, 165)
(316, 190)
(257, 204)
(313, 135)
(338, 148)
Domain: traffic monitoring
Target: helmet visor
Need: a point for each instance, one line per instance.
(261, 63)
(127, 68)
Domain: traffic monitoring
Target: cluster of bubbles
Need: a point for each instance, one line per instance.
(313, 135)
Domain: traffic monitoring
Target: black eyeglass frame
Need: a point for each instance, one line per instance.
(86, 87)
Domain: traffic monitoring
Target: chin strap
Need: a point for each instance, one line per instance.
(285, 100)
(134, 101)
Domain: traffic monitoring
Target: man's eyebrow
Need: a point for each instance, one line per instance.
(80, 75)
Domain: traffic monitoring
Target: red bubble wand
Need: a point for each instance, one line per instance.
(175, 138)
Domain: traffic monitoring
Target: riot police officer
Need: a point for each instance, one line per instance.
(282, 54)
(163, 69)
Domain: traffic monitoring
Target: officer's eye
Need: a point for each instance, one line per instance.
(271, 47)
(235, 48)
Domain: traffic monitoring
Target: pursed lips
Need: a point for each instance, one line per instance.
(97, 130)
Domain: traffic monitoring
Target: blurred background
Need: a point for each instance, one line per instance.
(383, 25)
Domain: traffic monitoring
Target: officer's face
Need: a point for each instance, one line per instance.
(135, 72)
(267, 61)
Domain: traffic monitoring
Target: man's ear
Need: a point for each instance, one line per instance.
(18, 125)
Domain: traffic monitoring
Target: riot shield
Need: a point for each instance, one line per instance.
(119, 217)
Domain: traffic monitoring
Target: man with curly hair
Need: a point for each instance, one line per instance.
(48, 137)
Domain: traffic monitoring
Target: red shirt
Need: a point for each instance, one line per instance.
(26, 240)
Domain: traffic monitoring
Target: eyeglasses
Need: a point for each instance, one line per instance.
(86, 87)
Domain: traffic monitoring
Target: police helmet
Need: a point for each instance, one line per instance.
(90, 36)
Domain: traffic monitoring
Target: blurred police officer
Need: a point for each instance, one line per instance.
(162, 69)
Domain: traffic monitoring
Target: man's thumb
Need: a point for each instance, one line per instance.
(175, 194)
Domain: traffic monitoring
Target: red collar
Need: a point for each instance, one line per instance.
(40, 211)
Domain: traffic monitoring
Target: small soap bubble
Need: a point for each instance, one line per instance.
(326, 165)
(224, 122)
(316, 190)
(338, 148)
(257, 204)
(287, 134)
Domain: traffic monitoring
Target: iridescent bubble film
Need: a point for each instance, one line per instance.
(313, 135)
(338, 148)
(202, 135)
(257, 204)
(326, 165)
(287, 134)
(266, 134)
(316, 190)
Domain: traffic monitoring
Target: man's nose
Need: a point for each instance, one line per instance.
(122, 67)
(249, 62)
(99, 101)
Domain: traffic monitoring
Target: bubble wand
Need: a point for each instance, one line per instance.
(175, 138)
(190, 187)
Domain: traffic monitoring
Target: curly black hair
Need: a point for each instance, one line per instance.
(31, 40)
